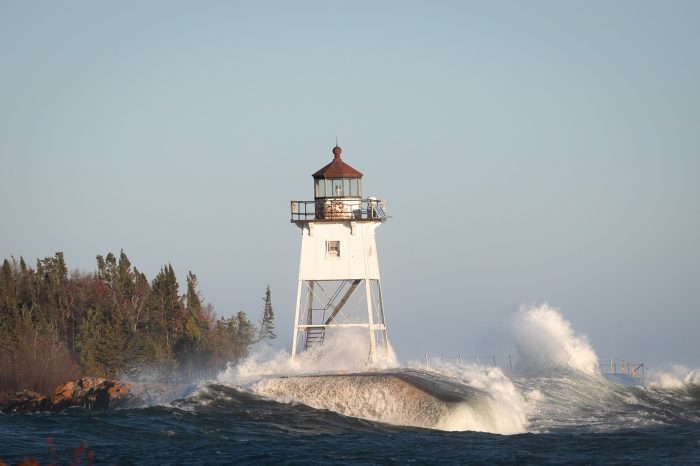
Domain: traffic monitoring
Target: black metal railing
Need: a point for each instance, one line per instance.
(333, 209)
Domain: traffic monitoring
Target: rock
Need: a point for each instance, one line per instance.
(118, 390)
(65, 390)
(94, 393)
(26, 401)
(89, 382)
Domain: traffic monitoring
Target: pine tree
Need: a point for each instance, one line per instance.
(245, 332)
(164, 307)
(89, 334)
(110, 351)
(110, 321)
(190, 345)
(194, 302)
(7, 289)
(267, 326)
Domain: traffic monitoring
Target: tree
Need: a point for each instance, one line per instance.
(165, 308)
(8, 291)
(194, 302)
(245, 331)
(87, 341)
(56, 324)
(267, 326)
(190, 346)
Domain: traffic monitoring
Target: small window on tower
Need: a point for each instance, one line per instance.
(333, 248)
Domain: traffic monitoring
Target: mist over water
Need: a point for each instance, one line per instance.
(341, 352)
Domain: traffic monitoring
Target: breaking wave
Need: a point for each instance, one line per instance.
(338, 378)
(555, 385)
(409, 397)
(546, 341)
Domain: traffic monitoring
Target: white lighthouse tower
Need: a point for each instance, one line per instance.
(339, 287)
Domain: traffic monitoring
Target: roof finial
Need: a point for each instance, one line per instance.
(337, 150)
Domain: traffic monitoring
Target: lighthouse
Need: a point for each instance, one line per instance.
(339, 288)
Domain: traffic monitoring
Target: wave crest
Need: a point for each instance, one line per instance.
(546, 341)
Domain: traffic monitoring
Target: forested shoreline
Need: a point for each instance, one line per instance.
(57, 325)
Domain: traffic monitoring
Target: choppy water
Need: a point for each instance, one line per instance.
(323, 409)
(568, 420)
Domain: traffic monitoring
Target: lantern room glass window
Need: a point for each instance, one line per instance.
(338, 187)
(321, 189)
(355, 187)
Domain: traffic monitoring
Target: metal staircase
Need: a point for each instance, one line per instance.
(316, 335)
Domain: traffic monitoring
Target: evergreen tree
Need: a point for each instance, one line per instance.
(26, 289)
(7, 289)
(165, 307)
(194, 302)
(111, 350)
(126, 275)
(244, 334)
(87, 341)
(267, 326)
(109, 322)
(190, 348)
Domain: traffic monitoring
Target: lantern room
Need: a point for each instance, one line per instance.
(338, 196)
(337, 179)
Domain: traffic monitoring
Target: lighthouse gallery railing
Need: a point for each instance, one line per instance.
(338, 209)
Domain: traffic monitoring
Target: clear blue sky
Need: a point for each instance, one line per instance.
(529, 151)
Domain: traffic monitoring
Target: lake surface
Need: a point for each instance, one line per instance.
(475, 414)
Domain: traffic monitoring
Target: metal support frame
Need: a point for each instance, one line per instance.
(296, 320)
(333, 305)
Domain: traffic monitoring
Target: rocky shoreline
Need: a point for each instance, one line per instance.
(87, 392)
(93, 393)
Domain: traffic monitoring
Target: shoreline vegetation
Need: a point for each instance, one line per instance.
(114, 323)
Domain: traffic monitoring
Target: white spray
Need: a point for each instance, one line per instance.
(337, 377)
(559, 385)
(677, 377)
(503, 410)
(545, 340)
(342, 352)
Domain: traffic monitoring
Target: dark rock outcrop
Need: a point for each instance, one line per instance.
(88, 392)
(26, 401)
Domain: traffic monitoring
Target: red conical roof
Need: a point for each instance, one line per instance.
(337, 168)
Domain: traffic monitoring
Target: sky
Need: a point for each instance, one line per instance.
(529, 152)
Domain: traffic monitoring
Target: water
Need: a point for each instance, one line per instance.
(555, 408)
